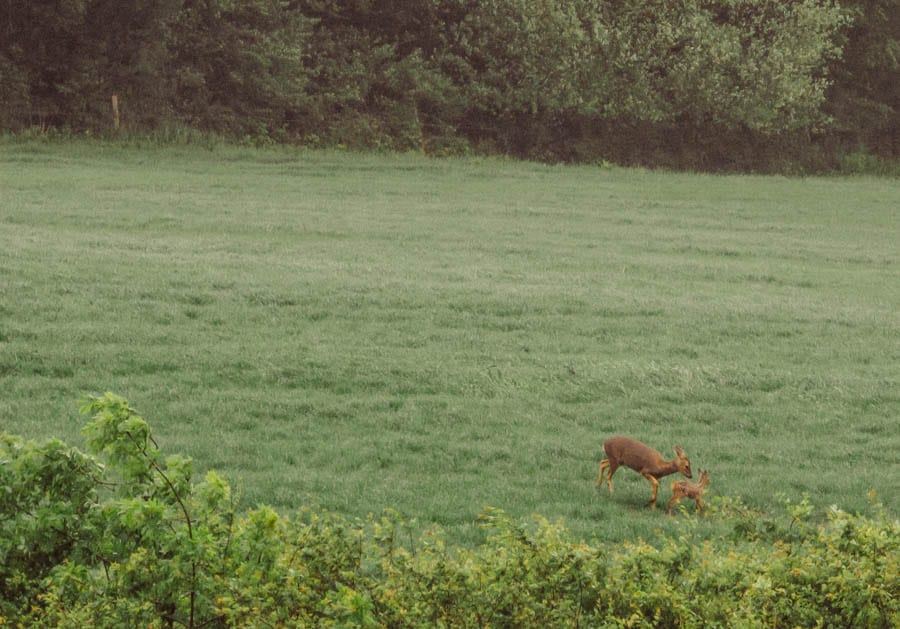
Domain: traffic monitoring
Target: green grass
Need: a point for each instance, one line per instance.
(370, 331)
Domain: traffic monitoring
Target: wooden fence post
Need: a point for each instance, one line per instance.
(115, 108)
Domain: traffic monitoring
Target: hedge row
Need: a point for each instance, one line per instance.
(124, 537)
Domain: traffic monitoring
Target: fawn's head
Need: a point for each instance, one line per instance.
(704, 478)
(681, 460)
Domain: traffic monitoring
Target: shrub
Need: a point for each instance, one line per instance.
(136, 541)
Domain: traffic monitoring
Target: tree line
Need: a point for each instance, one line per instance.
(709, 84)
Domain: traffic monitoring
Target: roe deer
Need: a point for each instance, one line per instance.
(686, 489)
(642, 459)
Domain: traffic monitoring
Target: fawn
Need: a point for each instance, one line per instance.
(684, 489)
(642, 459)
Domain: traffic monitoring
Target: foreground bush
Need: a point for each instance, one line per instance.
(125, 537)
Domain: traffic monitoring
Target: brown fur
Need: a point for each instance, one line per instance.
(642, 459)
(685, 489)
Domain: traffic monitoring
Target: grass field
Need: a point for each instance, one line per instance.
(370, 331)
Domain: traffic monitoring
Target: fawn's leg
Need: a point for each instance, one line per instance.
(674, 500)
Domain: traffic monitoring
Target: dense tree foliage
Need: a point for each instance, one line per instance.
(697, 83)
(864, 98)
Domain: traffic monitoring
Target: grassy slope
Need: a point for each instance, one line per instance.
(437, 335)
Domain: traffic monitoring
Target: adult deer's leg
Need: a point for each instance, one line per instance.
(613, 466)
(603, 465)
(655, 485)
